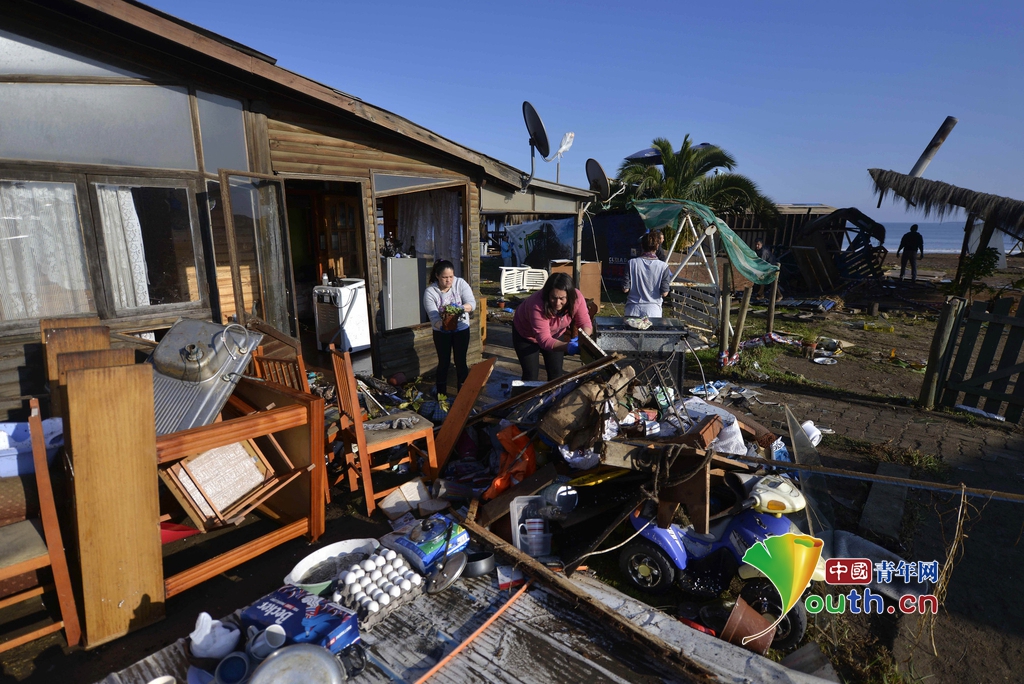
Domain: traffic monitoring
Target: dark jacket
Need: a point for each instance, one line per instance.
(911, 242)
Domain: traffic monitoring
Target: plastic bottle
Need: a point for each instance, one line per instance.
(326, 280)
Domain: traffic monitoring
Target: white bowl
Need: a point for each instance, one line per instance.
(330, 551)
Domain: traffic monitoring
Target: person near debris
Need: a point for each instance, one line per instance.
(764, 253)
(445, 289)
(910, 245)
(542, 320)
(647, 281)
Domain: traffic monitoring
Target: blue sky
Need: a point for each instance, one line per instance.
(806, 96)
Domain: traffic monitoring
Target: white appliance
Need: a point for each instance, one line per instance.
(341, 315)
(404, 280)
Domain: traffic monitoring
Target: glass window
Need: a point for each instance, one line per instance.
(261, 246)
(20, 55)
(43, 269)
(147, 239)
(123, 125)
(223, 133)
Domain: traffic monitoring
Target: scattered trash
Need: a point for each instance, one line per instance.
(826, 360)
(979, 412)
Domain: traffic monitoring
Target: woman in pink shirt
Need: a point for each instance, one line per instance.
(542, 319)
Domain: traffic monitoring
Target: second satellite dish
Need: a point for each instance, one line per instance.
(598, 180)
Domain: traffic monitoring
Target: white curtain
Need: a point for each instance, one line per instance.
(42, 258)
(126, 255)
(431, 222)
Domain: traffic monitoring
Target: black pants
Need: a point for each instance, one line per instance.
(445, 343)
(912, 258)
(529, 358)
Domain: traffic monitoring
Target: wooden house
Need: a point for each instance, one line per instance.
(150, 169)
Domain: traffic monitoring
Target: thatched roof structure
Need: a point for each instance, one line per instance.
(936, 197)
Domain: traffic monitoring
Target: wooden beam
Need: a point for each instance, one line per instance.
(605, 615)
(498, 507)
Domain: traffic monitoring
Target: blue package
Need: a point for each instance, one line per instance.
(423, 554)
(305, 617)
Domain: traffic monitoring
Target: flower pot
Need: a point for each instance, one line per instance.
(450, 321)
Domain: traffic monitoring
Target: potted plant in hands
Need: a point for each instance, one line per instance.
(450, 316)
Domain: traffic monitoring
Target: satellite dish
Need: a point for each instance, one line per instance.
(538, 141)
(651, 156)
(538, 134)
(598, 180)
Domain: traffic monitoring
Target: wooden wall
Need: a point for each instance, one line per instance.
(305, 143)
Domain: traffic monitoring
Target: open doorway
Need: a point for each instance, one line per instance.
(325, 220)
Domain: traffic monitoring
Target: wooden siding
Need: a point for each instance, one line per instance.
(306, 144)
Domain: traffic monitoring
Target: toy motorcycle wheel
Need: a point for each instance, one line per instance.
(647, 567)
(763, 597)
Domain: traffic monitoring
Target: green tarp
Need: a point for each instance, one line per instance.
(664, 212)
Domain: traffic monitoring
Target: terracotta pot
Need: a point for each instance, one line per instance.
(450, 321)
(745, 621)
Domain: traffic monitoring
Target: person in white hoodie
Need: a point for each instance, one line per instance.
(445, 289)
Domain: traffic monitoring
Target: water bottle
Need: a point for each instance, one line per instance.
(326, 280)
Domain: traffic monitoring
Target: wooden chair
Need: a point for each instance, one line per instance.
(287, 372)
(359, 466)
(34, 544)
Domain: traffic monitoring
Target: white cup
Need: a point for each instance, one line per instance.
(812, 432)
(266, 642)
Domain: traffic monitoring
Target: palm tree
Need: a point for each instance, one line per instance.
(692, 173)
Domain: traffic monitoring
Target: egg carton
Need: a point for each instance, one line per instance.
(368, 621)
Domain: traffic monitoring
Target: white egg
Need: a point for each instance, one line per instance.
(336, 597)
(398, 562)
(387, 569)
(394, 591)
(363, 599)
(394, 577)
(376, 594)
(405, 585)
(353, 567)
(349, 578)
(415, 579)
(375, 575)
(384, 599)
(373, 607)
(379, 560)
(358, 572)
(368, 565)
(390, 555)
(364, 580)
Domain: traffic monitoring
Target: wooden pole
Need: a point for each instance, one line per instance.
(771, 304)
(944, 333)
(968, 226)
(726, 313)
(738, 337)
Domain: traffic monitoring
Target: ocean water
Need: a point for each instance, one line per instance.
(945, 237)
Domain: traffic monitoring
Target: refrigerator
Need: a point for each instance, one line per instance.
(404, 282)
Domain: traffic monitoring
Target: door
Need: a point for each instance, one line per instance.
(342, 241)
(259, 249)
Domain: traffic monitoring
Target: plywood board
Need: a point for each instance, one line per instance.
(65, 340)
(99, 358)
(112, 437)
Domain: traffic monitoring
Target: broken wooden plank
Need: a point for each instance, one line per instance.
(455, 421)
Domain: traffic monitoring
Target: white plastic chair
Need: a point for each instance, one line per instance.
(534, 279)
(512, 279)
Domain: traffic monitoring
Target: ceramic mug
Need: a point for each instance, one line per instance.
(166, 679)
(262, 644)
(234, 668)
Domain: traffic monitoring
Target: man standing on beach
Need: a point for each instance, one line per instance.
(910, 245)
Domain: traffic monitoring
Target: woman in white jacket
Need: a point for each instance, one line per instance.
(445, 289)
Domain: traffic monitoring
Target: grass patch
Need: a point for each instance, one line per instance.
(877, 452)
(855, 653)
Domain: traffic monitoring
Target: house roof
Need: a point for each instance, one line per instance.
(936, 197)
(235, 55)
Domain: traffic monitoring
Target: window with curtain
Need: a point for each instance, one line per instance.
(43, 270)
(147, 241)
(430, 223)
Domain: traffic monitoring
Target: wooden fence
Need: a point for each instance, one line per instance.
(963, 358)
